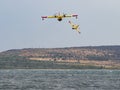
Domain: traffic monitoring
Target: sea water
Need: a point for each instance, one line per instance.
(57, 79)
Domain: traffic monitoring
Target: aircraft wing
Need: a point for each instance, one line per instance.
(64, 16)
(78, 30)
(51, 16)
(43, 17)
(70, 16)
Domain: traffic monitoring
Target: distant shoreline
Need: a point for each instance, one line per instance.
(92, 57)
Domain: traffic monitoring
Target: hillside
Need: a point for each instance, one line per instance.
(100, 56)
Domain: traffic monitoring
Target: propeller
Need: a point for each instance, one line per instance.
(64, 14)
(55, 14)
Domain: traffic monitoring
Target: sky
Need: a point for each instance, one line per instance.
(21, 25)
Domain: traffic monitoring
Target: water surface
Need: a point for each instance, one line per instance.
(37, 79)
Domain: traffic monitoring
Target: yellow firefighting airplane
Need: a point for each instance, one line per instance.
(75, 27)
(59, 16)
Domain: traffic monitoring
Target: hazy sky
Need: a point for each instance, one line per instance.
(21, 25)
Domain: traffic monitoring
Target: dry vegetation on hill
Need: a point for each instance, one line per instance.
(106, 56)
